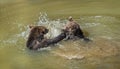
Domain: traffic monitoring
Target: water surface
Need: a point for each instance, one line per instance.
(99, 20)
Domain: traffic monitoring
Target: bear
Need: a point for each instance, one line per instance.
(73, 30)
(37, 40)
(36, 35)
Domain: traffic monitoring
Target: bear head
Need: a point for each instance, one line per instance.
(38, 31)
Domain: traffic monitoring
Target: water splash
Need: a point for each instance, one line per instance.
(96, 25)
(54, 26)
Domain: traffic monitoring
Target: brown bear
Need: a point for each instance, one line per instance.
(73, 30)
(36, 35)
(36, 38)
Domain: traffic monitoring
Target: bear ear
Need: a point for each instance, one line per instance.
(31, 26)
(70, 18)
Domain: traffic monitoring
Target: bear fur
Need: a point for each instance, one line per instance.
(73, 30)
(37, 40)
(36, 35)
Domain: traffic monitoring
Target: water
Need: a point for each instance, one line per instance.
(99, 20)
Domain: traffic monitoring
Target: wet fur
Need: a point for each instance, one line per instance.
(36, 38)
(36, 35)
(74, 31)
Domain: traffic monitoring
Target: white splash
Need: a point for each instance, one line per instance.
(54, 26)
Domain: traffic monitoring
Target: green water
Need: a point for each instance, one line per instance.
(99, 19)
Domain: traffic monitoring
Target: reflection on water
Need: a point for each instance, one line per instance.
(95, 18)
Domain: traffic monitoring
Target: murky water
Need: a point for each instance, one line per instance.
(99, 20)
